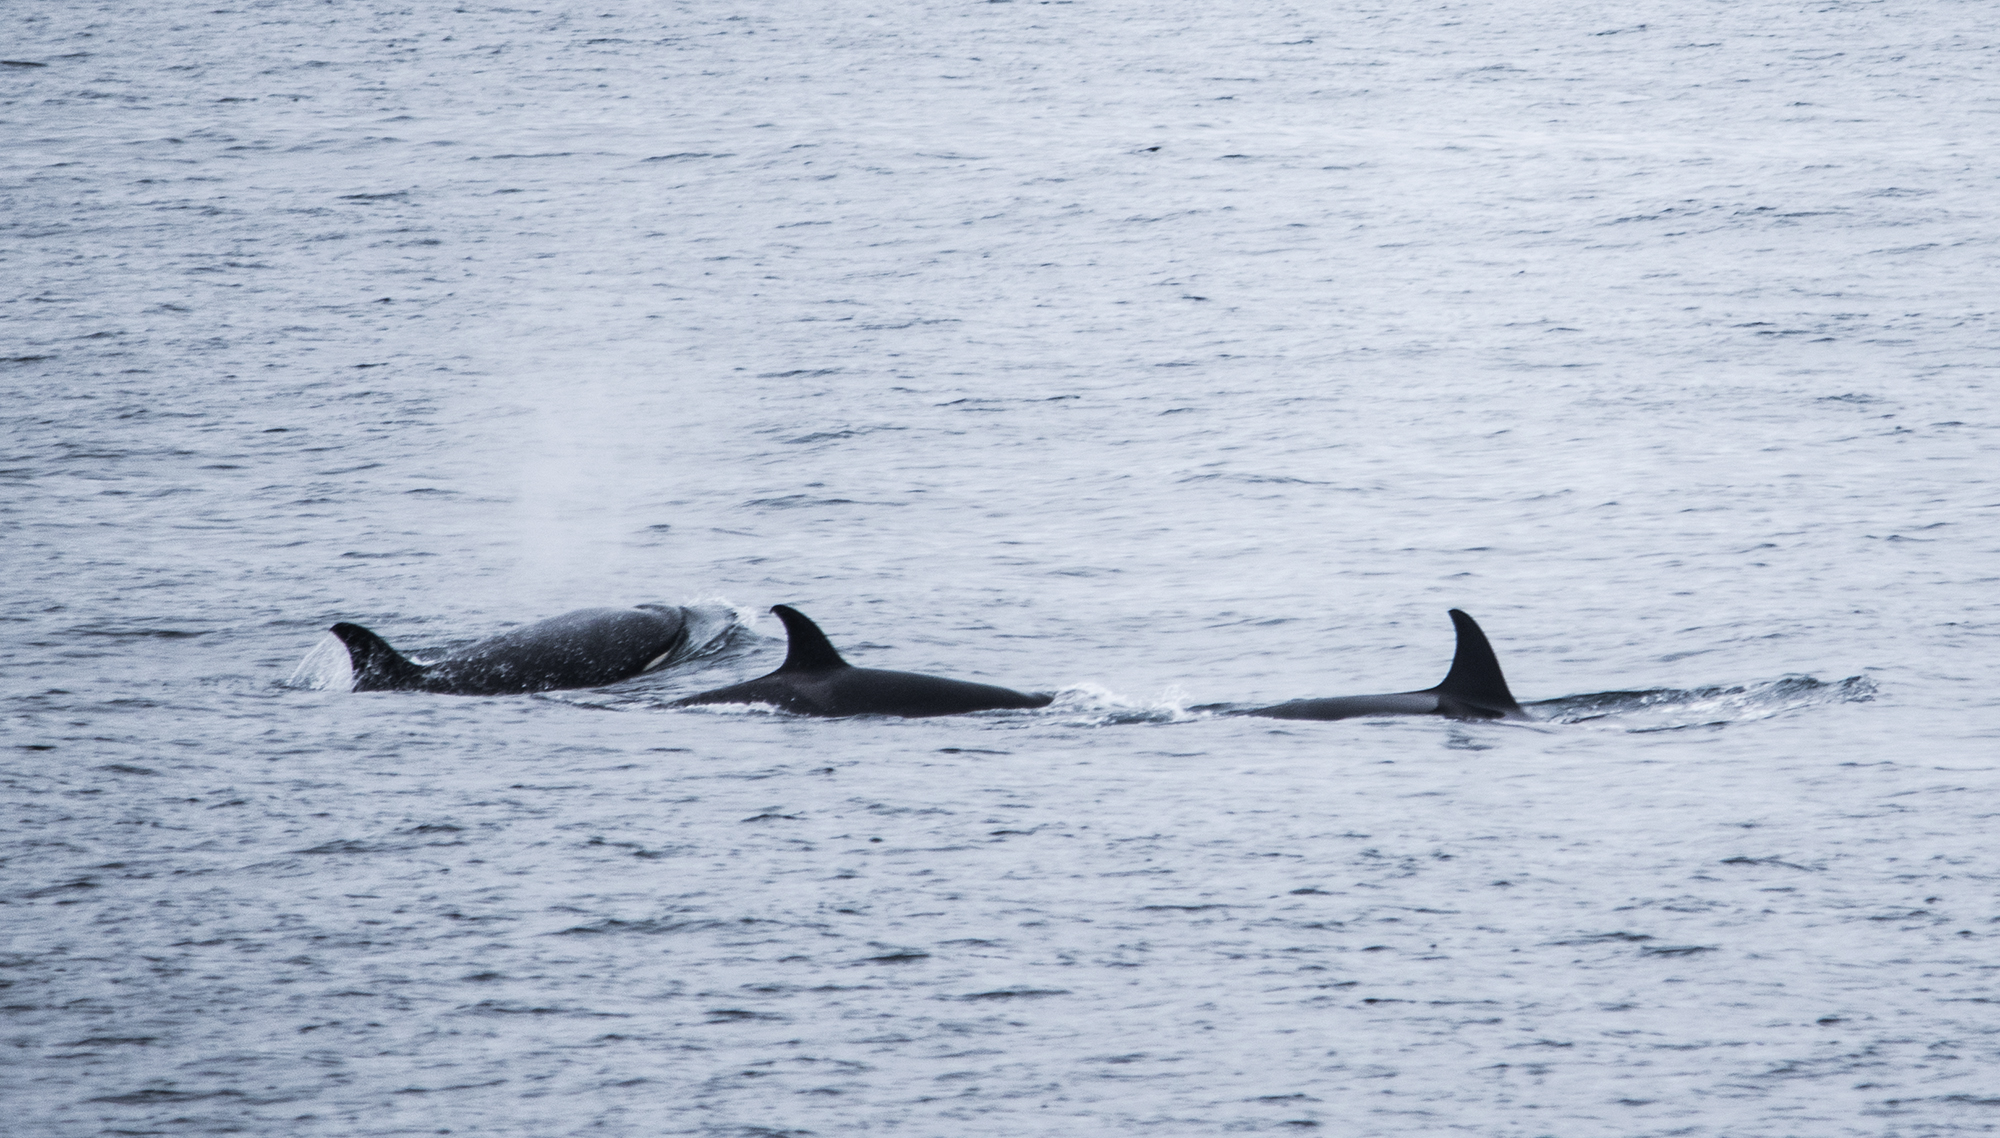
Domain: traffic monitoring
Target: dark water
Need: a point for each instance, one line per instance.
(1158, 359)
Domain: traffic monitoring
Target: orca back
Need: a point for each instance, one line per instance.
(1472, 689)
(814, 680)
(582, 649)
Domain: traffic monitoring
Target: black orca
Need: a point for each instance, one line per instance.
(814, 680)
(582, 649)
(1472, 689)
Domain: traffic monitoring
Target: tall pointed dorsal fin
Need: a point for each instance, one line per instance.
(1475, 677)
(377, 667)
(810, 650)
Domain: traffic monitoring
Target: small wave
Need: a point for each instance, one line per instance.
(1675, 709)
(137, 633)
(1258, 479)
(808, 502)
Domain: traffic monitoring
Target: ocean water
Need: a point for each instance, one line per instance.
(1170, 361)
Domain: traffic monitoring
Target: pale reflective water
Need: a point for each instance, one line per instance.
(1160, 359)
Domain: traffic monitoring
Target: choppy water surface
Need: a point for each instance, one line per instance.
(1166, 360)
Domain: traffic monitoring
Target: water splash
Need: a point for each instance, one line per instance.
(326, 667)
(714, 626)
(1092, 705)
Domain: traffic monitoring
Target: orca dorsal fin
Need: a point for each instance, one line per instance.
(1475, 678)
(810, 650)
(377, 667)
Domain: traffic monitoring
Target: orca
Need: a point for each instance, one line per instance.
(583, 649)
(814, 680)
(1472, 689)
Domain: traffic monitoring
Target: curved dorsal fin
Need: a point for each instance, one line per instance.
(1475, 676)
(810, 650)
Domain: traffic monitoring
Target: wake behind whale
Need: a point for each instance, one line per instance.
(1680, 709)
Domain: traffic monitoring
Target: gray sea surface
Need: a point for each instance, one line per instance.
(1172, 359)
